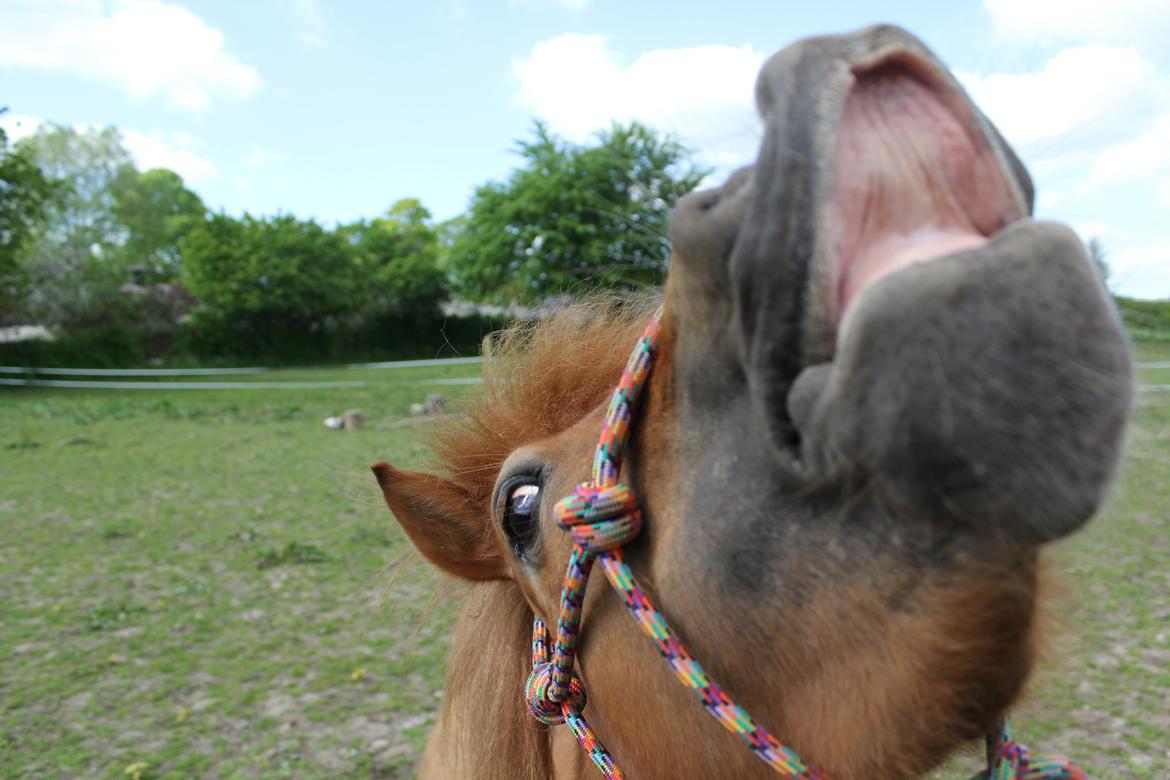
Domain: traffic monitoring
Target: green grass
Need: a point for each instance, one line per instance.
(1152, 351)
(207, 583)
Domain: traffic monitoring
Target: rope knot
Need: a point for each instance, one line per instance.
(600, 518)
(1009, 759)
(538, 692)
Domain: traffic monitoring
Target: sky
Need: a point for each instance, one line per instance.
(334, 110)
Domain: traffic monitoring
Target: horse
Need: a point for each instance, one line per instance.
(879, 390)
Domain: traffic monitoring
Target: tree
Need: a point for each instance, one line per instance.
(80, 223)
(396, 262)
(25, 193)
(156, 211)
(268, 286)
(574, 214)
(68, 260)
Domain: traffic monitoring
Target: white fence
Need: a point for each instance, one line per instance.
(32, 377)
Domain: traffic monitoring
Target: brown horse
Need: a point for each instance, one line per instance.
(881, 388)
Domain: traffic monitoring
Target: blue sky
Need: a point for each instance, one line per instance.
(335, 110)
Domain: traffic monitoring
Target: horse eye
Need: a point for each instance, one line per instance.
(521, 516)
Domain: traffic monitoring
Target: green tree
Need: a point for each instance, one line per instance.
(572, 214)
(25, 193)
(80, 222)
(156, 211)
(396, 261)
(269, 287)
(68, 264)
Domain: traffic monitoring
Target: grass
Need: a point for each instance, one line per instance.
(205, 584)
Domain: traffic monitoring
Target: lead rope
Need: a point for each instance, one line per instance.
(1009, 760)
(601, 516)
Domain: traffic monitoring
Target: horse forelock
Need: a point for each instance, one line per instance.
(539, 379)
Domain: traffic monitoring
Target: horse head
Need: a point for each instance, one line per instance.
(881, 389)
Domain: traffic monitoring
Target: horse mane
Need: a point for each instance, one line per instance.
(539, 378)
(484, 729)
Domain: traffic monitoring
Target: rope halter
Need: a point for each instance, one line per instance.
(601, 516)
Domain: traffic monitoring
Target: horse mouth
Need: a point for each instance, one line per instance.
(915, 178)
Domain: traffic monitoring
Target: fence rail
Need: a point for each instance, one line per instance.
(131, 371)
(459, 361)
(30, 376)
(32, 371)
(117, 385)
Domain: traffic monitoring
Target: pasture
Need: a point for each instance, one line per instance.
(206, 584)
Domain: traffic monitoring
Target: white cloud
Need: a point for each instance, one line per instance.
(704, 94)
(156, 149)
(18, 126)
(575, 6)
(1145, 155)
(1081, 97)
(1096, 229)
(243, 183)
(457, 12)
(148, 48)
(1095, 122)
(312, 21)
(152, 149)
(259, 157)
(1143, 271)
(1093, 125)
(1082, 20)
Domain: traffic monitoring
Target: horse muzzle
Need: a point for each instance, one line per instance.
(899, 318)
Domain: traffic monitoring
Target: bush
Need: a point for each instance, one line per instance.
(267, 286)
(1146, 320)
(387, 338)
(109, 347)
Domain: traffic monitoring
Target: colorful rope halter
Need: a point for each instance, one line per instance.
(601, 516)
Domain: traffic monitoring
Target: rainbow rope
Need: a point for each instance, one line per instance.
(1009, 760)
(601, 516)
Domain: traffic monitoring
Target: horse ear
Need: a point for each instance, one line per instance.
(443, 522)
